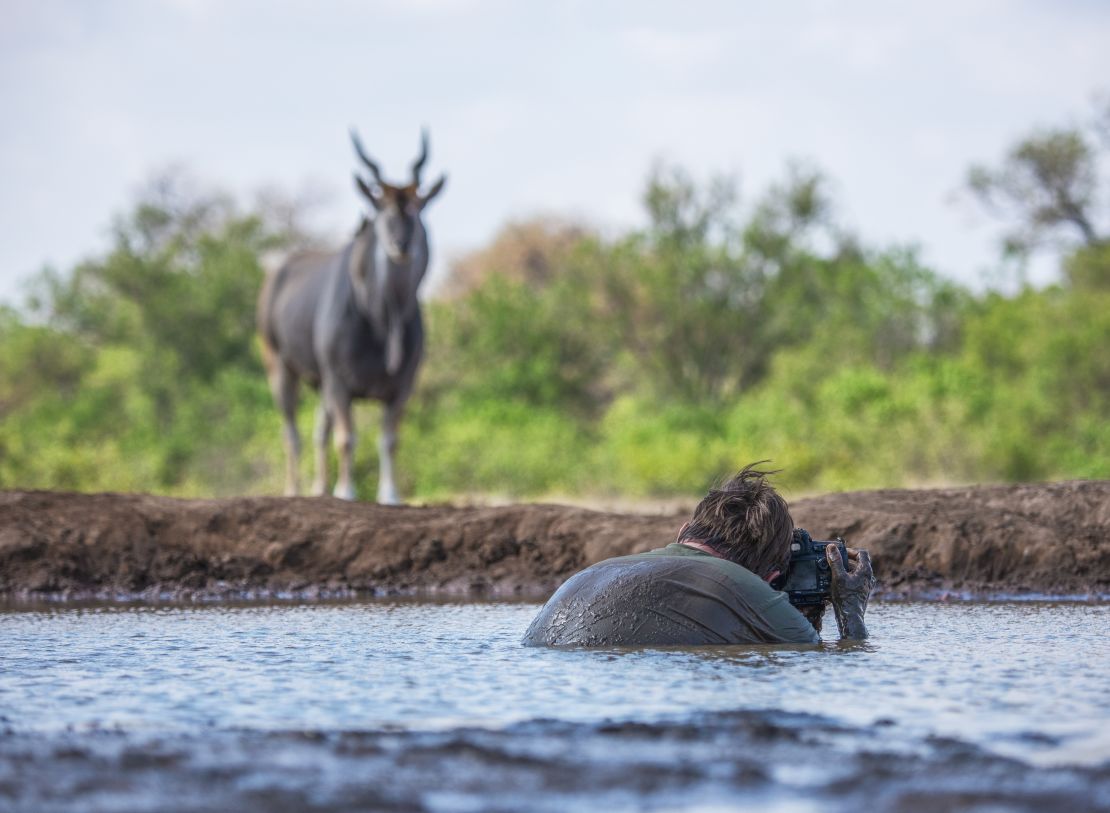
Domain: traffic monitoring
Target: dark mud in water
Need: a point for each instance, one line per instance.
(741, 760)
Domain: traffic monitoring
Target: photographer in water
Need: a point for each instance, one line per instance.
(716, 583)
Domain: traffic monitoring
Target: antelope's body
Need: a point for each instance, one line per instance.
(349, 324)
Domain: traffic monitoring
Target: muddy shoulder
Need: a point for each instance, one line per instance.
(1035, 539)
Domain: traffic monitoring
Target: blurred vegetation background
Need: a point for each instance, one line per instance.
(564, 361)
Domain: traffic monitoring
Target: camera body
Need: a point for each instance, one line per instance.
(808, 580)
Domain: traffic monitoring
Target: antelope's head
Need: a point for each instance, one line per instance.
(397, 225)
(387, 267)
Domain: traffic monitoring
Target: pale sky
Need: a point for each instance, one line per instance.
(533, 107)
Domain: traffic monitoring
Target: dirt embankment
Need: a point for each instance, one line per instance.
(1044, 538)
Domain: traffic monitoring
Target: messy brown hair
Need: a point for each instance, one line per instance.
(745, 520)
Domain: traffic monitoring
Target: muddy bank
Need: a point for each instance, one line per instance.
(1038, 538)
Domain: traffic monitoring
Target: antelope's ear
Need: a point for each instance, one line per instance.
(437, 187)
(367, 192)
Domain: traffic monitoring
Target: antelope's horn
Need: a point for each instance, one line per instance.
(366, 159)
(418, 164)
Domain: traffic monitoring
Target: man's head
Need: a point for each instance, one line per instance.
(746, 521)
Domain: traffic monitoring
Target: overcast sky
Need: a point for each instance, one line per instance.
(533, 107)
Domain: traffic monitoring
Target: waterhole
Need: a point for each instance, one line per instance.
(436, 706)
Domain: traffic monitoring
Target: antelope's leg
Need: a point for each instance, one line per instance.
(320, 437)
(340, 405)
(387, 447)
(283, 383)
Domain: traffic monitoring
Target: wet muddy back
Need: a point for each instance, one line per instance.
(411, 706)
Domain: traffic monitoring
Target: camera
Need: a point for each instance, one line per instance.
(808, 579)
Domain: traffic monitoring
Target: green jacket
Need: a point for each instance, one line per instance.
(675, 596)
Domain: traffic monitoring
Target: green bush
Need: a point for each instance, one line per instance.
(646, 364)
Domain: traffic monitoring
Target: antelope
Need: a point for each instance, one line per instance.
(349, 324)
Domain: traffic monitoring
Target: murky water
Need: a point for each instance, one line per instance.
(412, 706)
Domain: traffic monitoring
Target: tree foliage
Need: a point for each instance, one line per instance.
(129, 361)
(1048, 187)
(564, 361)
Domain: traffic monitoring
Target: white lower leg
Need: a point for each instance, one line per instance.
(344, 445)
(292, 460)
(387, 489)
(320, 439)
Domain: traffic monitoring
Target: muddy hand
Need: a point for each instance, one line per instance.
(851, 587)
